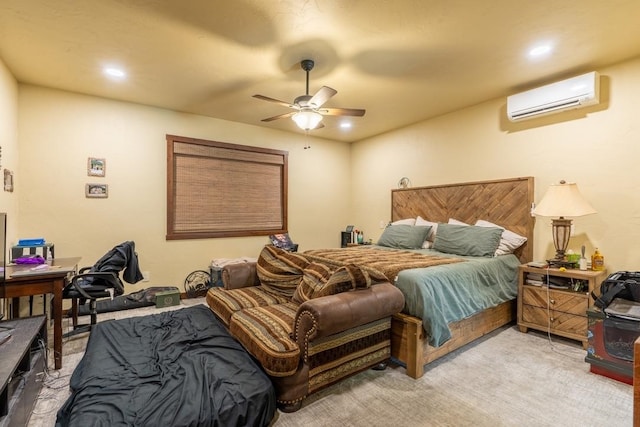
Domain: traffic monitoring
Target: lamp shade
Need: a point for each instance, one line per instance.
(307, 120)
(562, 200)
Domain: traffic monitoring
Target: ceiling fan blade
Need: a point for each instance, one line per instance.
(342, 112)
(279, 116)
(322, 96)
(276, 101)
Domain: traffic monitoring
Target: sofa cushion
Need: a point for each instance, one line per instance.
(319, 280)
(280, 271)
(265, 333)
(225, 302)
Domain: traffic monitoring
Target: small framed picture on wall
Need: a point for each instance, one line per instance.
(96, 167)
(96, 191)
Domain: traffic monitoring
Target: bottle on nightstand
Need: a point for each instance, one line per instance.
(597, 261)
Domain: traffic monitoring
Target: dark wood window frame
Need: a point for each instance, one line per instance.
(218, 189)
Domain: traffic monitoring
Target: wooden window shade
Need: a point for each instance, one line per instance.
(216, 189)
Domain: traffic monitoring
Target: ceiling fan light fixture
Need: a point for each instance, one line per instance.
(307, 120)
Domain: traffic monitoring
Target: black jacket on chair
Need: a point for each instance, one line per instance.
(120, 257)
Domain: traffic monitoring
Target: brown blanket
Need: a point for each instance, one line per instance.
(389, 263)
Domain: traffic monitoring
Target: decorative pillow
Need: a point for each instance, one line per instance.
(428, 243)
(320, 281)
(404, 236)
(509, 241)
(280, 271)
(408, 221)
(467, 240)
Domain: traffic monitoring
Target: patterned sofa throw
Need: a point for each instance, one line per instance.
(319, 281)
(280, 271)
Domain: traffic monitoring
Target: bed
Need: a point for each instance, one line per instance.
(417, 338)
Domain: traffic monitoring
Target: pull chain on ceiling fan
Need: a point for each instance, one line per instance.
(308, 114)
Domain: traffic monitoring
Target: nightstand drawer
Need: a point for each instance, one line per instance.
(564, 301)
(560, 321)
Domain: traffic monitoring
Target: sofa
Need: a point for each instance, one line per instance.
(307, 325)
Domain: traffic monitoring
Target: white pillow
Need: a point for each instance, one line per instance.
(456, 222)
(428, 243)
(509, 241)
(408, 221)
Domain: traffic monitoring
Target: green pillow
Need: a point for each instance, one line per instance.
(467, 240)
(403, 236)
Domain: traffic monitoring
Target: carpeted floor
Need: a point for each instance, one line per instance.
(505, 379)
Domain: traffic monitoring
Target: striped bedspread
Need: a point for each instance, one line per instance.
(389, 263)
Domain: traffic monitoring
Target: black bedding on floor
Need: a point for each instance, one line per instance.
(176, 368)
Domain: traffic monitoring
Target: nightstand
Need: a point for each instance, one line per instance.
(556, 310)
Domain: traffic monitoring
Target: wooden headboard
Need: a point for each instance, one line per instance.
(506, 202)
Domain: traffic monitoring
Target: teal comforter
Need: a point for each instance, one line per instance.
(442, 294)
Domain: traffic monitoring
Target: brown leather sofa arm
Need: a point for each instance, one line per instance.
(239, 275)
(328, 315)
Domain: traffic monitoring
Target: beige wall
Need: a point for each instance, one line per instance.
(9, 144)
(60, 130)
(598, 148)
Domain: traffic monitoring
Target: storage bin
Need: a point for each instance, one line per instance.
(45, 250)
(167, 298)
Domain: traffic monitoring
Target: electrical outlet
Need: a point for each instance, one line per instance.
(146, 276)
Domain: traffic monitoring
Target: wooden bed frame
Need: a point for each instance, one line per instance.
(506, 202)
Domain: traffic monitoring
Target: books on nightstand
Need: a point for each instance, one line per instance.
(554, 282)
(535, 279)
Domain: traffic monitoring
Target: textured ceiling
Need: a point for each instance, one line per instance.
(402, 60)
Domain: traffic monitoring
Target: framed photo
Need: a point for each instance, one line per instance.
(96, 167)
(349, 228)
(96, 191)
(8, 180)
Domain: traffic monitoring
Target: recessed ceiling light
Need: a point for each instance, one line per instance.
(345, 125)
(540, 50)
(116, 73)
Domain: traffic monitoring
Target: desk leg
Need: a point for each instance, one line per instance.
(57, 322)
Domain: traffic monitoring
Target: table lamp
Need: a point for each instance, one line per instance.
(562, 200)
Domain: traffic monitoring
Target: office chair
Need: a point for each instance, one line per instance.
(102, 280)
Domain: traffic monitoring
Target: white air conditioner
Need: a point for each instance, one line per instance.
(576, 92)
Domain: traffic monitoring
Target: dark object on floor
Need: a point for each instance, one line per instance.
(102, 280)
(168, 369)
(142, 298)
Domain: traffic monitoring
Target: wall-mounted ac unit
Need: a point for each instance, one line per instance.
(576, 92)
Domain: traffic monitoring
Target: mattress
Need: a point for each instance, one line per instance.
(176, 368)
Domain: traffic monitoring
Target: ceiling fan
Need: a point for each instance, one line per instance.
(308, 109)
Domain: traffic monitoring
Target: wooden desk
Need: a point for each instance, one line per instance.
(42, 282)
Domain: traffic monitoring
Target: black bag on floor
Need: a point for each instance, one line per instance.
(623, 284)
